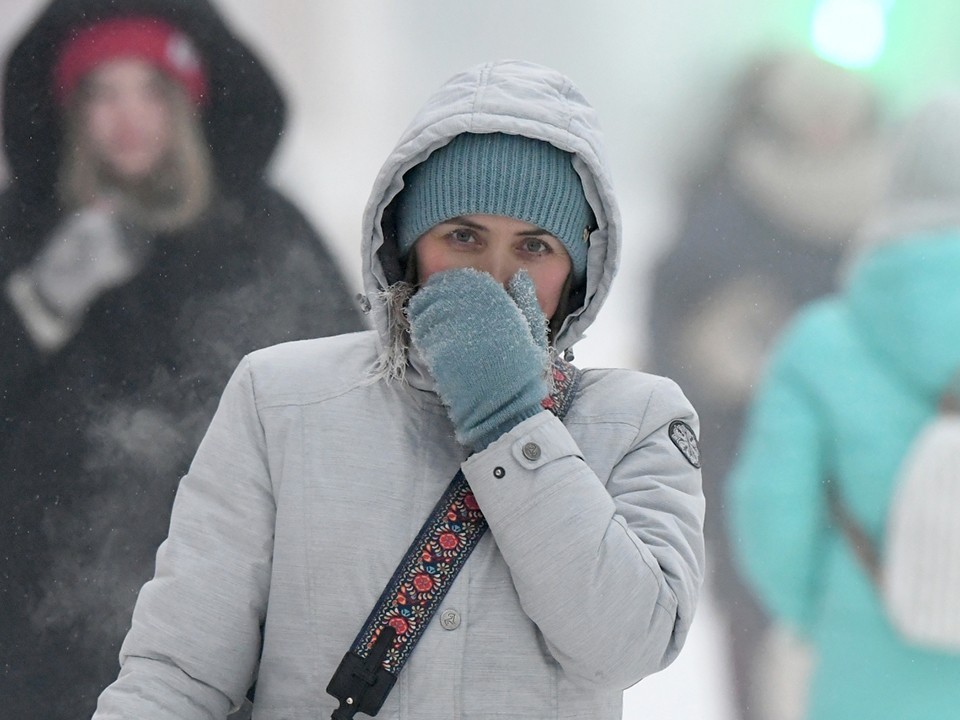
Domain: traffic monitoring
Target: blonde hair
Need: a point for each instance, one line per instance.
(171, 197)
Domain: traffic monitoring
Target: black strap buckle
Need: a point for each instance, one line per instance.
(362, 684)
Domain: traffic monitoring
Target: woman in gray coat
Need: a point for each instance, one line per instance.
(490, 241)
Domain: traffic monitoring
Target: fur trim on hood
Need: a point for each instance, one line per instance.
(513, 97)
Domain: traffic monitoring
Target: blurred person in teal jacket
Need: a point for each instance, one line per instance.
(850, 383)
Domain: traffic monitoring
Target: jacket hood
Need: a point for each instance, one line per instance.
(513, 97)
(242, 119)
(905, 302)
(903, 268)
(921, 193)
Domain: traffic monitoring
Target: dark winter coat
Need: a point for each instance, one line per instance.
(94, 439)
(732, 260)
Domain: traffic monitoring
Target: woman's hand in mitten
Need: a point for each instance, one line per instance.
(88, 254)
(486, 348)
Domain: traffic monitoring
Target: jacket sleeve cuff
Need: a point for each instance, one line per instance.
(543, 430)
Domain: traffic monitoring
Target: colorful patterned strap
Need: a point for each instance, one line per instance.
(421, 581)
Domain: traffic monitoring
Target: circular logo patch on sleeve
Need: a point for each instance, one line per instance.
(685, 439)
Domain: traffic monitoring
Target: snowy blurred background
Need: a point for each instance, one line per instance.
(657, 71)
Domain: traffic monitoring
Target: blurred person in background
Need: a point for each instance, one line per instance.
(142, 253)
(850, 383)
(763, 227)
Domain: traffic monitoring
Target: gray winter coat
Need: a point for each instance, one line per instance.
(317, 473)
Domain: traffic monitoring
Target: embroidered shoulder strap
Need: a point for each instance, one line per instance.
(368, 671)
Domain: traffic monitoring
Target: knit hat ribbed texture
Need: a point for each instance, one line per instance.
(498, 174)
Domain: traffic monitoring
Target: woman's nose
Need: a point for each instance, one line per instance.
(500, 265)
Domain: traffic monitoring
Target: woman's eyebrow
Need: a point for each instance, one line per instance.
(535, 232)
(466, 222)
(460, 220)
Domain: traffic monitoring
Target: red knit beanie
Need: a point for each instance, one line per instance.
(143, 38)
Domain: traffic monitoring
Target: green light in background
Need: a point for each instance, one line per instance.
(850, 33)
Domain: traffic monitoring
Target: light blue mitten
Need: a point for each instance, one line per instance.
(485, 347)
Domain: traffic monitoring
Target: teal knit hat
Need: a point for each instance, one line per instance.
(498, 174)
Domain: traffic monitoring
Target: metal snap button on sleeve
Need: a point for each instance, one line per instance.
(531, 451)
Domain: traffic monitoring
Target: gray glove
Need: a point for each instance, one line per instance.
(89, 253)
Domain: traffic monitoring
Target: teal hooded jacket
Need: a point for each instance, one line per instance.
(850, 383)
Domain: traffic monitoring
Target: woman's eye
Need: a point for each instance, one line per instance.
(156, 90)
(461, 236)
(99, 92)
(536, 246)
